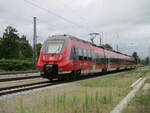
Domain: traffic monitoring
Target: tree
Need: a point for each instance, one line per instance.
(25, 48)
(14, 47)
(38, 47)
(9, 44)
(146, 60)
(107, 46)
(0, 47)
(10, 33)
(135, 55)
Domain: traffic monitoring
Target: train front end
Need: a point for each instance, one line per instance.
(52, 57)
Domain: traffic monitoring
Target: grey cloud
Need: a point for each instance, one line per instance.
(129, 18)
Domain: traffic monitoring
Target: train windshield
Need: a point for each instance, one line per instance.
(54, 46)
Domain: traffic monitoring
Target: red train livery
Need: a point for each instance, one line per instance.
(65, 55)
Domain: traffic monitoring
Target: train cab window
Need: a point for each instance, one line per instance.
(54, 46)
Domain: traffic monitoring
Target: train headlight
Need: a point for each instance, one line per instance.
(44, 57)
(60, 57)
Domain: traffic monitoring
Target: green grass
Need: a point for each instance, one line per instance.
(79, 104)
(113, 81)
(142, 70)
(140, 104)
(22, 109)
(141, 101)
(86, 102)
(97, 96)
(148, 80)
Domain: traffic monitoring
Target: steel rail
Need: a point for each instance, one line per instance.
(19, 78)
(19, 88)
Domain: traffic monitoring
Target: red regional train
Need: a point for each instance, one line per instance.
(66, 55)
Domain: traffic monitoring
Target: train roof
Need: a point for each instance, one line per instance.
(66, 36)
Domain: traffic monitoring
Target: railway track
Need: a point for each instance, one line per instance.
(22, 76)
(4, 91)
(12, 73)
(18, 78)
(24, 87)
(20, 82)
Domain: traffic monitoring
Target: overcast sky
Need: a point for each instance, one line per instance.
(123, 22)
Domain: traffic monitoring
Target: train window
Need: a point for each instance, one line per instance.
(73, 54)
(103, 60)
(77, 53)
(85, 54)
(113, 61)
(82, 54)
(100, 60)
(80, 50)
(110, 60)
(120, 61)
(97, 59)
(93, 56)
(89, 55)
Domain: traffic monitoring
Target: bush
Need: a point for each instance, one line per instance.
(14, 64)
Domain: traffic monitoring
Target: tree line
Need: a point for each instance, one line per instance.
(15, 49)
(13, 46)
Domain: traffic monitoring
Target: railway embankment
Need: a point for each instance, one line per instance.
(99, 95)
(141, 102)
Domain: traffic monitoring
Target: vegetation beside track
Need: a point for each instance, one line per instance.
(3, 72)
(100, 95)
(12, 66)
(16, 65)
(16, 53)
(141, 102)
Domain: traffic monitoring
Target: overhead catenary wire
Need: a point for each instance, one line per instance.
(56, 15)
(81, 17)
(27, 18)
(11, 23)
(23, 17)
